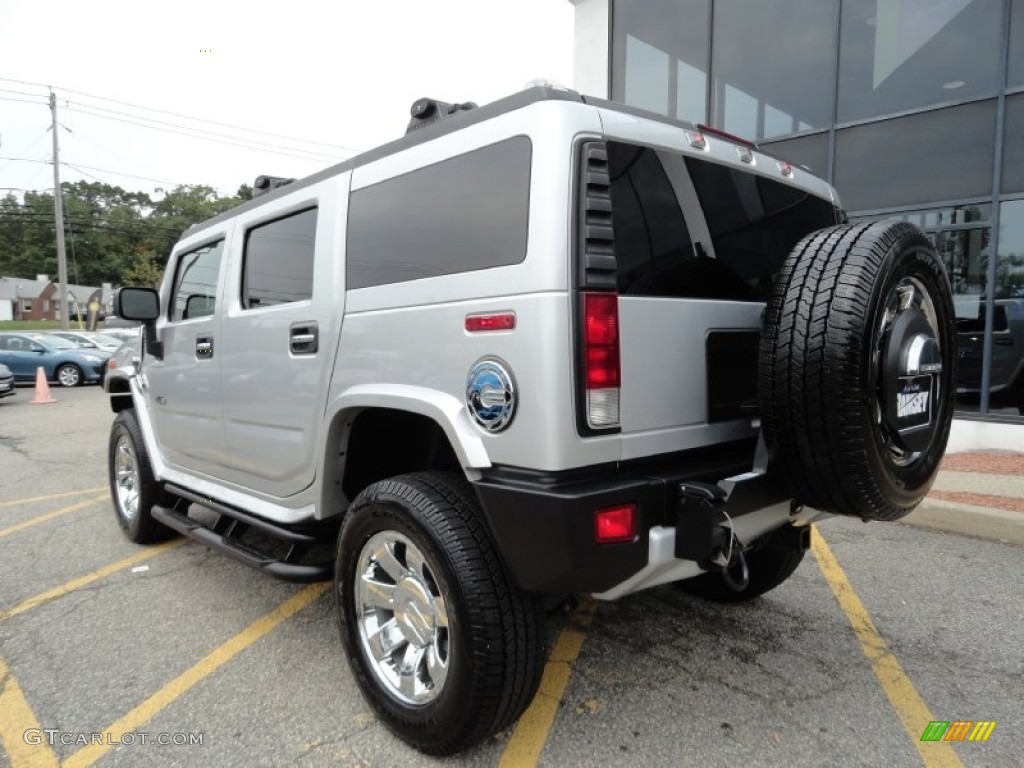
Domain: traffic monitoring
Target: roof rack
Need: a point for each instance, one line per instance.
(264, 184)
(426, 111)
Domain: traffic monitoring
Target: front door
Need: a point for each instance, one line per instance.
(183, 389)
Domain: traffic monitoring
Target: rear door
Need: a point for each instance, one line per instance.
(697, 244)
(285, 300)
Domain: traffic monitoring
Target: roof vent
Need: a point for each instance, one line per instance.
(426, 111)
(265, 184)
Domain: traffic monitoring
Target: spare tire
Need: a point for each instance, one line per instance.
(856, 381)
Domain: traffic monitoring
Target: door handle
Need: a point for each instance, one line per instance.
(303, 338)
(204, 347)
(1004, 342)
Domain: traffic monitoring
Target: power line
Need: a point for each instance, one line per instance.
(192, 129)
(25, 101)
(190, 117)
(79, 167)
(203, 138)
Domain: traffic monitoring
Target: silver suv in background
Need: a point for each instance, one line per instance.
(547, 346)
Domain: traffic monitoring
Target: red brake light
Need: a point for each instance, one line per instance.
(601, 312)
(728, 136)
(615, 524)
(505, 321)
(601, 367)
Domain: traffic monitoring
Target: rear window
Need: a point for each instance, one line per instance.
(752, 224)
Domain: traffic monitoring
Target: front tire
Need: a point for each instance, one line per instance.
(68, 375)
(445, 648)
(133, 488)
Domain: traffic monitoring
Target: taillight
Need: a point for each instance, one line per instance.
(615, 524)
(601, 371)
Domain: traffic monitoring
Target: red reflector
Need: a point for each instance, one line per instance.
(506, 321)
(601, 340)
(615, 524)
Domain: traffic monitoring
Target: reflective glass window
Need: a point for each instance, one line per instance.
(279, 261)
(773, 66)
(940, 155)
(659, 56)
(1013, 145)
(195, 282)
(1015, 75)
(465, 213)
(1006, 389)
(896, 55)
(810, 152)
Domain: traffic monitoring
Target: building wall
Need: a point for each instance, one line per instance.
(912, 108)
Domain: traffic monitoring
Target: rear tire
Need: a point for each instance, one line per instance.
(445, 648)
(768, 568)
(133, 488)
(857, 374)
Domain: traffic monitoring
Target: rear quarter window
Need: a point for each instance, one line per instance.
(466, 213)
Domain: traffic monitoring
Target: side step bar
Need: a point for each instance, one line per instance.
(225, 536)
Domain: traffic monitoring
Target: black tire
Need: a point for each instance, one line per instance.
(138, 525)
(768, 567)
(846, 424)
(68, 375)
(494, 637)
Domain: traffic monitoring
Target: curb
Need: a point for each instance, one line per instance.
(967, 520)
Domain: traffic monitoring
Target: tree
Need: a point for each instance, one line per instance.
(143, 272)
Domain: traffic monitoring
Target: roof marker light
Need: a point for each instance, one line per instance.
(786, 169)
(746, 155)
(696, 139)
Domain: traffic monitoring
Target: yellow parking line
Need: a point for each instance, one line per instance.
(48, 516)
(910, 707)
(17, 719)
(195, 674)
(33, 499)
(531, 732)
(89, 578)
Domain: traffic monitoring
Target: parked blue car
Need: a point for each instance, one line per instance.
(62, 361)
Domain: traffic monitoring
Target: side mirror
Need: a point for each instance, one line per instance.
(37, 348)
(142, 304)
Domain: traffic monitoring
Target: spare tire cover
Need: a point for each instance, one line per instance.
(857, 379)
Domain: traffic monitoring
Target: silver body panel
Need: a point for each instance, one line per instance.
(249, 426)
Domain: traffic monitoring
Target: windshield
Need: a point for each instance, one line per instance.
(54, 342)
(105, 341)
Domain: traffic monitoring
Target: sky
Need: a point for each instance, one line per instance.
(342, 74)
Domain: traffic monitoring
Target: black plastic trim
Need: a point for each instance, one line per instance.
(543, 522)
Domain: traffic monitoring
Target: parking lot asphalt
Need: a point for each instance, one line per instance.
(882, 629)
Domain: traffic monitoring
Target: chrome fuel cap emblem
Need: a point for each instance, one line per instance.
(491, 395)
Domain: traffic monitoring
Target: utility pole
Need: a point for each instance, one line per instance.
(58, 214)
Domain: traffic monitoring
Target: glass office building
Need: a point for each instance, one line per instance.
(913, 109)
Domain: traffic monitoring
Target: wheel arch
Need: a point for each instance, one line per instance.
(431, 427)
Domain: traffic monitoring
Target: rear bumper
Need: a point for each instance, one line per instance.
(543, 523)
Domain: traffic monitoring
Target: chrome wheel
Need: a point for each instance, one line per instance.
(402, 618)
(126, 473)
(907, 359)
(69, 376)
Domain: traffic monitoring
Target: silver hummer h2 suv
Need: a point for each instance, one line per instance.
(543, 347)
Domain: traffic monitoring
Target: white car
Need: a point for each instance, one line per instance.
(90, 340)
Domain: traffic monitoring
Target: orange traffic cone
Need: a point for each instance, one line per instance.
(42, 389)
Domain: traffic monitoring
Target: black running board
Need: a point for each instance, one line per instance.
(224, 537)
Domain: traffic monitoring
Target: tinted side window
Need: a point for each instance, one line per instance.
(466, 213)
(279, 261)
(195, 282)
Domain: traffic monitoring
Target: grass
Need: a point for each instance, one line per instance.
(35, 325)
